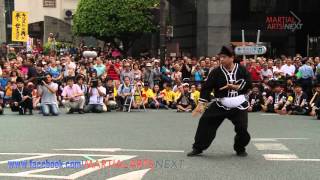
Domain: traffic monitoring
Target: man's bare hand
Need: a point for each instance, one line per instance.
(198, 110)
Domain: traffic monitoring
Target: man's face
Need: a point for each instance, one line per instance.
(186, 89)
(127, 81)
(226, 60)
(255, 90)
(48, 79)
(70, 83)
(109, 83)
(20, 84)
(298, 89)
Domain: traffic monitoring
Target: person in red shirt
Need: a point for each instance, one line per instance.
(254, 71)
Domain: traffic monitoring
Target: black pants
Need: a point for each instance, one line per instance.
(22, 106)
(212, 119)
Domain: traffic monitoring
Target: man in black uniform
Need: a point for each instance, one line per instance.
(22, 99)
(230, 83)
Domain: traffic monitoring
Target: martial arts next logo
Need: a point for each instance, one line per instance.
(286, 23)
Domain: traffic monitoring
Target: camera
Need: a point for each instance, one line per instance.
(40, 79)
(94, 83)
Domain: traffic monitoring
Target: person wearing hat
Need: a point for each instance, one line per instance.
(185, 103)
(297, 103)
(149, 75)
(22, 99)
(230, 82)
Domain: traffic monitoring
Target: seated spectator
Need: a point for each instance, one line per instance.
(73, 97)
(195, 94)
(158, 99)
(168, 95)
(35, 97)
(124, 93)
(47, 91)
(185, 103)
(21, 99)
(147, 94)
(297, 104)
(275, 101)
(96, 97)
(110, 100)
(255, 100)
(315, 103)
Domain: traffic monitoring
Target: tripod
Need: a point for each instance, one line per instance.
(131, 100)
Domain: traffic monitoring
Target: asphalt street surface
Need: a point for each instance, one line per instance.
(282, 147)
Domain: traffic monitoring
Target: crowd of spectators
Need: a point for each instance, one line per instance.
(66, 78)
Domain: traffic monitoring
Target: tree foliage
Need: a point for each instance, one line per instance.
(109, 19)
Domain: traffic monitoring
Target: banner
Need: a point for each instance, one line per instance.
(20, 26)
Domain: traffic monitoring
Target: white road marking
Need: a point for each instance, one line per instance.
(119, 149)
(305, 160)
(134, 175)
(31, 173)
(90, 170)
(271, 146)
(54, 154)
(27, 158)
(267, 114)
(275, 139)
(279, 156)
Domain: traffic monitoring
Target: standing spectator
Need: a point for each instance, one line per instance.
(176, 75)
(306, 78)
(288, 69)
(70, 67)
(197, 74)
(126, 72)
(166, 72)
(148, 75)
(137, 74)
(73, 97)
(99, 67)
(47, 91)
(157, 72)
(255, 70)
(266, 72)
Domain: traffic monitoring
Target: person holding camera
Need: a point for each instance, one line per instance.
(96, 97)
(21, 98)
(73, 97)
(47, 91)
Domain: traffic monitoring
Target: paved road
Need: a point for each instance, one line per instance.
(283, 147)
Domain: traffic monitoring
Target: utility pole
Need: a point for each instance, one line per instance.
(163, 31)
(2, 22)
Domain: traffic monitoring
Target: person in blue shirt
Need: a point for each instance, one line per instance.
(307, 75)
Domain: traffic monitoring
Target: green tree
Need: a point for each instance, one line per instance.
(106, 20)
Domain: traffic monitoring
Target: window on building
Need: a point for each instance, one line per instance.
(49, 3)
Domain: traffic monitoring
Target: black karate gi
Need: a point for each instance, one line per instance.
(216, 112)
(22, 105)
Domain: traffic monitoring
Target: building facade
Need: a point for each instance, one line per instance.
(287, 26)
(49, 16)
